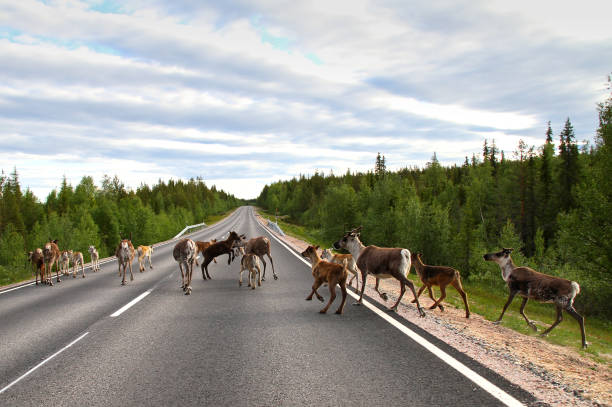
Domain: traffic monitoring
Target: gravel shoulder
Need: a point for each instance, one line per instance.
(555, 375)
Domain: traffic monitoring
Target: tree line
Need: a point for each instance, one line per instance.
(88, 215)
(553, 204)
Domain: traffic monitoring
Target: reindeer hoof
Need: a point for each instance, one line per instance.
(188, 291)
(275, 277)
(339, 312)
(308, 299)
(323, 311)
(441, 307)
(421, 313)
(321, 299)
(123, 283)
(253, 287)
(356, 303)
(533, 326)
(384, 296)
(496, 322)
(433, 306)
(83, 275)
(391, 310)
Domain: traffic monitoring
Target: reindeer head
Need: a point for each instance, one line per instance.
(310, 252)
(327, 254)
(347, 239)
(500, 257)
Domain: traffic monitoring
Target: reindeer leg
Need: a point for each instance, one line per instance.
(570, 310)
(316, 285)
(264, 263)
(258, 275)
(272, 263)
(510, 298)
(343, 290)
(332, 295)
(189, 269)
(384, 296)
(457, 284)
(123, 279)
(182, 276)
(531, 324)
(557, 321)
(404, 281)
(442, 296)
(420, 292)
(364, 278)
(131, 274)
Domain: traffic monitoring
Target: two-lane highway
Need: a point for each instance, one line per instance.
(222, 345)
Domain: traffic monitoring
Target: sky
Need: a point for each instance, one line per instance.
(246, 93)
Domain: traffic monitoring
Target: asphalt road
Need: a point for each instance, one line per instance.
(222, 345)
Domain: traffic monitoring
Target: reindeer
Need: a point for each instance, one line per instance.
(64, 262)
(95, 259)
(440, 276)
(528, 283)
(250, 263)
(217, 249)
(51, 255)
(201, 246)
(125, 257)
(144, 253)
(77, 258)
(260, 246)
(326, 272)
(37, 260)
(338, 258)
(381, 262)
(184, 253)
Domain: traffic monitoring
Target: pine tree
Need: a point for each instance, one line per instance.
(380, 168)
(569, 174)
(546, 211)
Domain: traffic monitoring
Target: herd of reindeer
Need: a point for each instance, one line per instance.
(331, 269)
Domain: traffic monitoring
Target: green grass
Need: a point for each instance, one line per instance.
(487, 300)
(212, 219)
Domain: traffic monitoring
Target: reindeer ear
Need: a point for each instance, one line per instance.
(316, 247)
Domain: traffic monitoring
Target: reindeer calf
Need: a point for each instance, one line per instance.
(77, 258)
(64, 261)
(440, 276)
(350, 263)
(325, 272)
(144, 253)
(250, 263)
(95, 258)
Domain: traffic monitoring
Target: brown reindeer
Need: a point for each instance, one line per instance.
(260, 246)
(217, 249)
(326, 272)
(37, 260)
(144, 253)
(528, 283)
(51, 254)
(77, 258)
(441, 276)
(381, 262)
(184, 253)
(125, 256)
(201, 246)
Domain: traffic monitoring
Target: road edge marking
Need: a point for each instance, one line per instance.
(42, 363)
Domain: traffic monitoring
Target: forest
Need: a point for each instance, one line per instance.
(88, 215)
(551, 203)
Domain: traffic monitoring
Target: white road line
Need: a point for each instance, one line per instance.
(486, 385)
(42, 363)
(130, 304)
